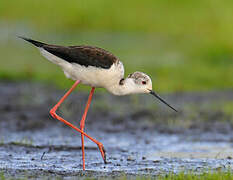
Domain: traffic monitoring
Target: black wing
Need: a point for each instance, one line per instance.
(83, 55)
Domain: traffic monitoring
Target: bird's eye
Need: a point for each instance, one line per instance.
(143, 82)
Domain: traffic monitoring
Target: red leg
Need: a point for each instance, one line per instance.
(54, 115)
(82, 123)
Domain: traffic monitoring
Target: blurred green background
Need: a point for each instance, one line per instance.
(182, 45)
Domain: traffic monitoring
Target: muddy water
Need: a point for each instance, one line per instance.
(57, 151)
(33, 144)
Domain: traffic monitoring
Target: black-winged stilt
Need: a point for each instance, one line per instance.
(95, 67)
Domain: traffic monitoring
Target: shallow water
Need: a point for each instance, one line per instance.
(33, 144)
(57, 150)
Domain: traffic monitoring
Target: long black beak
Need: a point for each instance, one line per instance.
(157, 96)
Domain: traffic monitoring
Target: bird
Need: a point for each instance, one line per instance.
(98, 68)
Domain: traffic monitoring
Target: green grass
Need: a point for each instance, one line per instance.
(204, 17)
(204, 176)
(180, 176)
(183, 45)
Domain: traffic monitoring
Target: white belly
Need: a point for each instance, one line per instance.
(92, 76)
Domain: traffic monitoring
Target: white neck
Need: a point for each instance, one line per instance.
(127, 87)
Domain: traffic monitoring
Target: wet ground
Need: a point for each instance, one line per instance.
(140, 135)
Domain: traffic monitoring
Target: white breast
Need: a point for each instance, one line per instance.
(95, 76)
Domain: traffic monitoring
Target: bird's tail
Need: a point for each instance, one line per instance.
(36, 43)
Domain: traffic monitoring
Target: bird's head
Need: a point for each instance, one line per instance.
(141, 83)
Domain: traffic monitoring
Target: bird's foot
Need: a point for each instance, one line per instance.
(103, 152)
